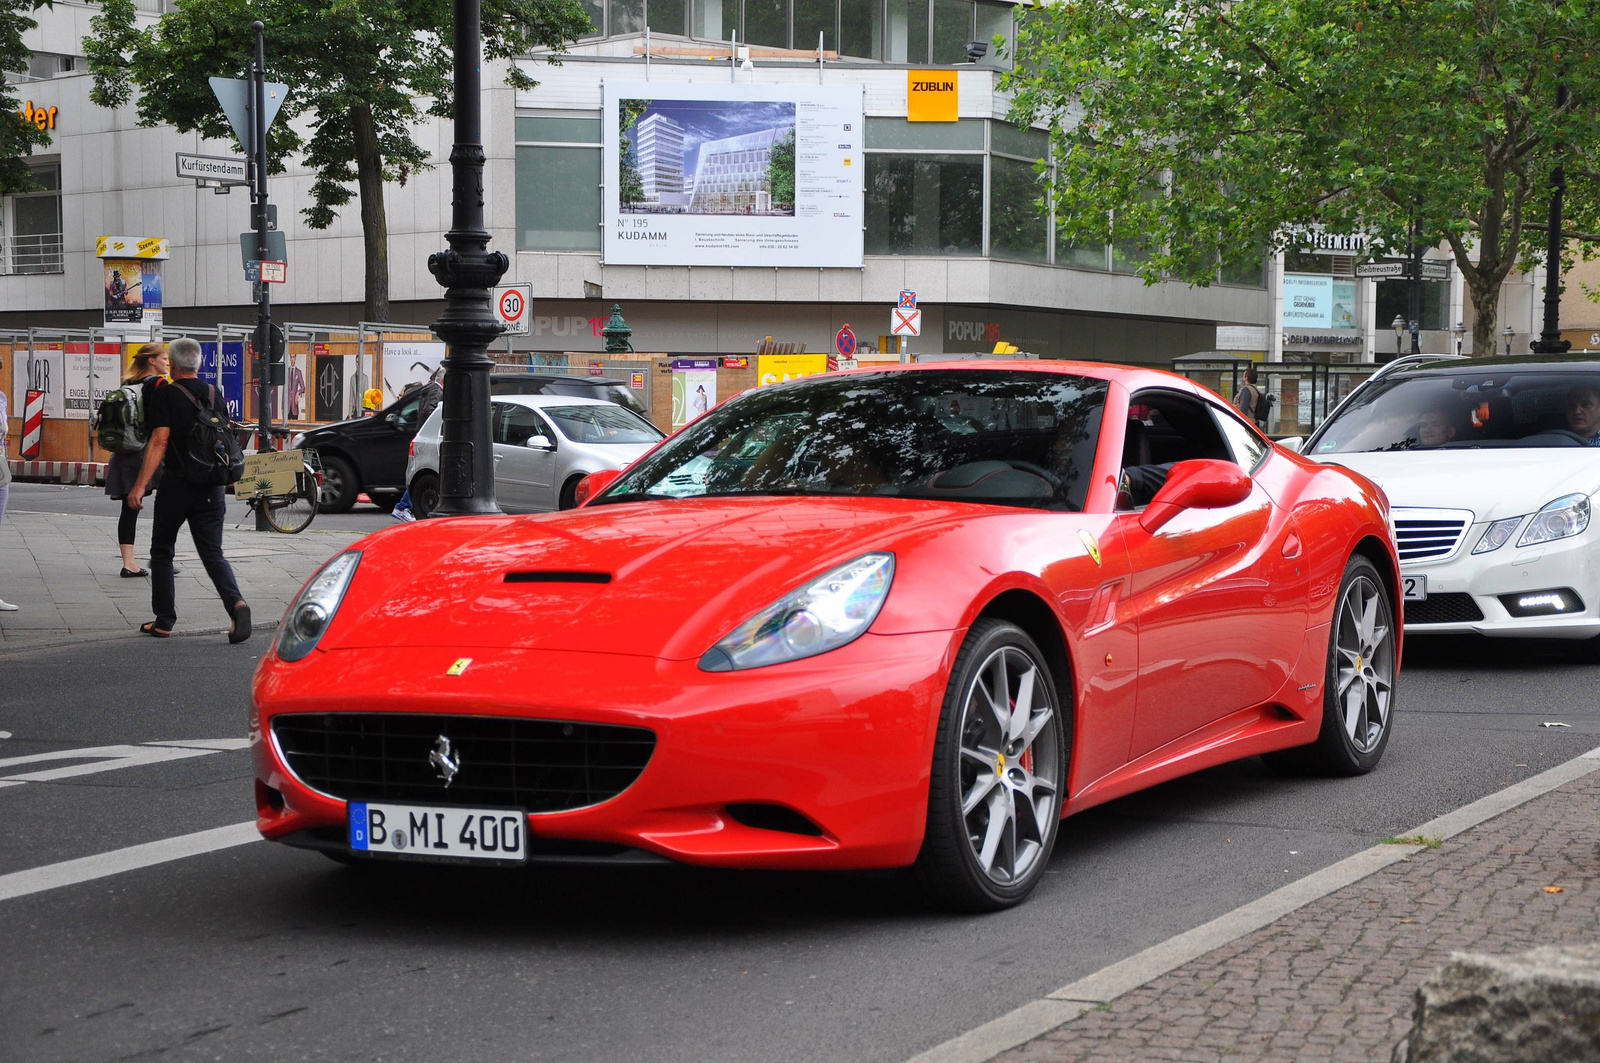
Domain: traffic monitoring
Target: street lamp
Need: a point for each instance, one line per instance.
(1399, 326)
(1509, 332)
(467, 271)
(1460, 330)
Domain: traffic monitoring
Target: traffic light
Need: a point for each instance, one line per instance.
(277, 352)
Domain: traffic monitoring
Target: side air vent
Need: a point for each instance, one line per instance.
(773, 817)
(558, 577)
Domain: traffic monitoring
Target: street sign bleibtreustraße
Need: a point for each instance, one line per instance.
(1433, 269)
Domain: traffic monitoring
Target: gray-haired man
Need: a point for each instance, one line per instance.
(171, 415)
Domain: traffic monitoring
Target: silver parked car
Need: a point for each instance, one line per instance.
(543, 445)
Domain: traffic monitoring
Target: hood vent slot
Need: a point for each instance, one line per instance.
(558, 577)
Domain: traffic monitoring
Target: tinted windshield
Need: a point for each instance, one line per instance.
(617, 393)
(601, 424)
(1482, 408)
(1008, 438)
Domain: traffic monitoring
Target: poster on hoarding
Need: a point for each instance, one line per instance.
(132, 302)
(88, 382)
(694, 391)
(408, 362)
(776, 368)
(45, 371)
(725, 175)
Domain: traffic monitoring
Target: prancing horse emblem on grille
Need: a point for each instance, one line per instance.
(443, 764)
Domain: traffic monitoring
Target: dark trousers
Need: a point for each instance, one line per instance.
(127, 523)
(204, 508)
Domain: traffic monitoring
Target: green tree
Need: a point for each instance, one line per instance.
(1203, 130)
(361, 74)
(628, 176)
(780, 173)
(18, 136)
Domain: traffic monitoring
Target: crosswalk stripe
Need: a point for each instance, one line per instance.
(89, 868)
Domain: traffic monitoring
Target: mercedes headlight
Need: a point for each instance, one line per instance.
(832, 610)
(1566, 516)
(1496, 534)
(312, 610)
(297, 440)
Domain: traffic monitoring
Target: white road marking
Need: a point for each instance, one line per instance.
(110, 758)
(1105, 985)
(88, 868)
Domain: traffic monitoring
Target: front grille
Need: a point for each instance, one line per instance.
(1451, 608)
(535, 765)
(1429, 534)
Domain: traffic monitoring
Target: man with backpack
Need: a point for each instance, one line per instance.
(1251, 400)
(190, 440)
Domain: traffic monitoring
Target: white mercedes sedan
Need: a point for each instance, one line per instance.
(1491, 466)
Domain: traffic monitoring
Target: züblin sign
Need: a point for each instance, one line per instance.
(931, 95)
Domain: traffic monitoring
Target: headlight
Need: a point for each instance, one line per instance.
(832, 610)
(296, 440)
(312, 611)
(1496, 534)
(1567, 515)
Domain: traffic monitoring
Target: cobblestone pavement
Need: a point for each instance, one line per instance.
(63, 571)
(1334, 980)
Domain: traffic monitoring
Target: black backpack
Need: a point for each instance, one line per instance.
(212, 456)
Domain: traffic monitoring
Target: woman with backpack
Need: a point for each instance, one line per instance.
(122, 472)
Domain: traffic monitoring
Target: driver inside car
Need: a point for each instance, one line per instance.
(1583, 413)
(1436, 429)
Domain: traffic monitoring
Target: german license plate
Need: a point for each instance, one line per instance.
(1414, 588)
(426, 831)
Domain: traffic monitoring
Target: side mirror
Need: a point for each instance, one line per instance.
(392, 419)
(1292, 444)
(1201, 484)
(540, 442)
(594, 483)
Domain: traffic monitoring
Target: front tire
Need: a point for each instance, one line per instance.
(339, 485)
(999, 774)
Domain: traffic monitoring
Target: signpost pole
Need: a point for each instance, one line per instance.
(257, 98)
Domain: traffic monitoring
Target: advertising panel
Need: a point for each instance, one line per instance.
(694, 389)
(225, 369)
(1318, 301)
(88, 382)
(776, 368)
(45, 371)
(725, 175)
(408, 362)
(133, 295)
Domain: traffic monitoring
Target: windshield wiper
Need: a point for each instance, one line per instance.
(627, 496)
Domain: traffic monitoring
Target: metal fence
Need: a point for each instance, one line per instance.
(39, 253)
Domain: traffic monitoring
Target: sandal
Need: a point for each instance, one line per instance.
(241, 623)
(134, 573)
(149, 628)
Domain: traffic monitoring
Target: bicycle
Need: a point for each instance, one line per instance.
(287, 512)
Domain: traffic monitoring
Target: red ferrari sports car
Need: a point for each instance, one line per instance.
(908, 617)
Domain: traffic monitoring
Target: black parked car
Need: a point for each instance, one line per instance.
(369, 453)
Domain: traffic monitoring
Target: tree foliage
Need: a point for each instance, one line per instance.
(1204, 130)
(780, 172)
(361, 74)
(629, 178)
(18, 137)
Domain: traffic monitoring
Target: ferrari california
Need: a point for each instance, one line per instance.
(900, 618)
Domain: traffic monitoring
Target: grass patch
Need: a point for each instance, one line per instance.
(1432, 841)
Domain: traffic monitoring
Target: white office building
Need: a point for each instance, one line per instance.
(732, 175)
(659, 145)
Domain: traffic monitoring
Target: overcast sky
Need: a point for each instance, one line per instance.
(704, 120)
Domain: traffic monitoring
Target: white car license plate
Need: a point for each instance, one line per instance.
(1414, 588)
(428, 831)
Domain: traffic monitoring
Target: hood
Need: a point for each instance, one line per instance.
(1493, 484)
(650, 579)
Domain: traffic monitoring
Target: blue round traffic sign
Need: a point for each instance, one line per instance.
(845, 343)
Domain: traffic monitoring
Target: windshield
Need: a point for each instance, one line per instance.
(601, 424)
(1007, 438)
(1469, 410)
(620, 394)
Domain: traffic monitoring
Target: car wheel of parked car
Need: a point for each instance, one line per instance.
(999, 773)
(569, 492)
(424, 494)
(1359, 683)
(339, 485)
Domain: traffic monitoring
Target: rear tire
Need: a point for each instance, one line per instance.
(339, 485)
(999, 774)
(1358, 684)
(424, 495)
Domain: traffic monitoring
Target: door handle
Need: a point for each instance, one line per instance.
(1291, 546)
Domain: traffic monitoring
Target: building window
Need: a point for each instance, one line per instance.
(1019, 225)
(861, 30)
(30, 223)
(924, 204)
(898, 31)
(766, 22)
(1394, 300)
(558, 184)
(595, 9)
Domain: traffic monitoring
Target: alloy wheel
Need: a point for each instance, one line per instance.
(1364, 663)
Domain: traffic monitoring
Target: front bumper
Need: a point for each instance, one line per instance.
(1511, 570)
(845, 739)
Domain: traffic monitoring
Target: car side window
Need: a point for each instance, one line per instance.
(1164, 428)
(406, 413)
(521, 424)
(1249, 449)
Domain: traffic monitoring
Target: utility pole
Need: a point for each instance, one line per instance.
(468, 270)
(257, 100)
(1550, 341)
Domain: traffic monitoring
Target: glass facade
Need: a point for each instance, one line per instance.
(924, 204)
(558, 184)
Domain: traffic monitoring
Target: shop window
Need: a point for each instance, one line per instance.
(812, 17)
(1012, 140)
(861, 30)
(766, 22)
(952, 29)
(627, 16)
(1018, 222)
(30, 223)
(965, 135)
(908, 31)
(668, 16)
(558, 130)
(558, 198)
(1394, 298)
(924, 204)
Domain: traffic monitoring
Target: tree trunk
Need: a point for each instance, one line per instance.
(374, 219)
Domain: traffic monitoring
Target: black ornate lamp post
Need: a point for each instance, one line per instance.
(467, 270)
(1550, 341)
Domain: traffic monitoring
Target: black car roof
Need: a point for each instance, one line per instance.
(563, 377)
(1448, 366)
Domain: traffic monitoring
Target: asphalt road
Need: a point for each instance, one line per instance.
(261, 952)
(92, 501)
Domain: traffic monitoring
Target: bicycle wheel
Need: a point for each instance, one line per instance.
(293, 513)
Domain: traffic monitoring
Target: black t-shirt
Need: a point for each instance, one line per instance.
(168, 409)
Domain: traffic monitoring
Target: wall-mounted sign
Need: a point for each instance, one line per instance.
(732, 175)
(42, 117)
(776, 368)
(931, 95)
(131, 247)
(1315, 300)
(215, 168)
(1242, 337)
(736, 362)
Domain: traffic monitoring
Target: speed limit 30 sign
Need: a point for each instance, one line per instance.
(513, 305)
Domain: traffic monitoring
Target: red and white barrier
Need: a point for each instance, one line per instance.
(32, 424)
(64, 472)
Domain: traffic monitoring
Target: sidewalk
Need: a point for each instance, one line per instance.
(63, 571)
(1334, 980)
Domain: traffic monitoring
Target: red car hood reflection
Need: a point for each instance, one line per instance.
(531, 582)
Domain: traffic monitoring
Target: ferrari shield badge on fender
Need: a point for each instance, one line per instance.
(459, 667)
(1090, 545)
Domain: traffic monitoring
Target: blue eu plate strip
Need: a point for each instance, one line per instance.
(358, 825)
